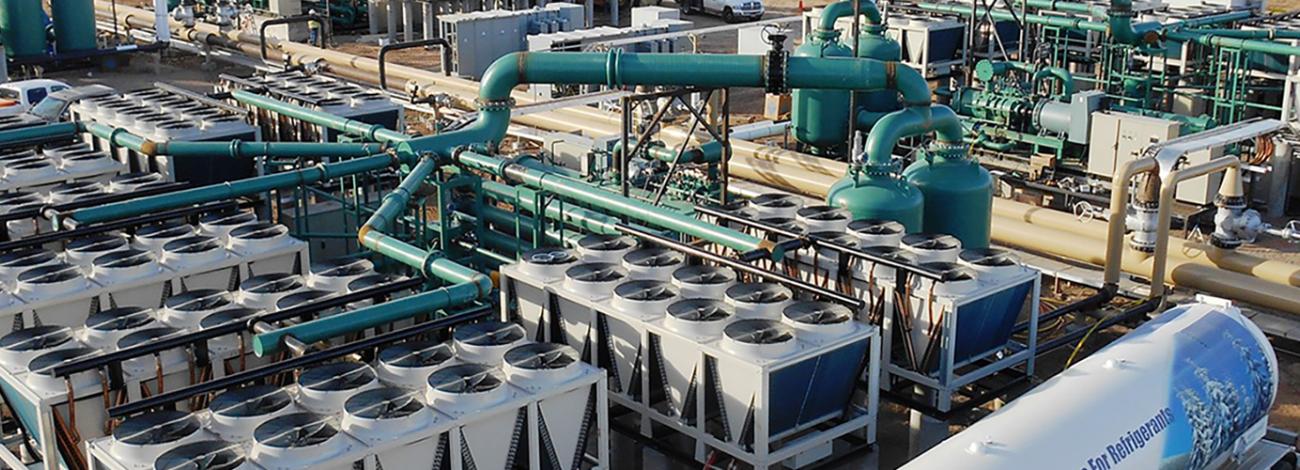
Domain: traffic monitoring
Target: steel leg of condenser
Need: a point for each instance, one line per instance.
(408, 21)
(430, 20)
(394, 11)
(372, 15)
(924, 431)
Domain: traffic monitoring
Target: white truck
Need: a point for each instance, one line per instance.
(18, 97)
(730, 10)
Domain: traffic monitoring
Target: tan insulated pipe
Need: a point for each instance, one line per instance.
(1168, 187)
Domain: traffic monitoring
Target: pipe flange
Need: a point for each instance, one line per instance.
(1226, 243)
(947, 150)
(777, 66)
(495, 105)
(1230, 202)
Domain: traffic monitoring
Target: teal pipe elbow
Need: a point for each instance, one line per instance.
(35, 134)
(837, 10)
(367, 317)
(913, 121)
(1066, 78)
(394, 203)
(368, 131)
(229, 190)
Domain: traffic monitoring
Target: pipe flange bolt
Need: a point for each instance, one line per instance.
(495, 105)
(777, 65)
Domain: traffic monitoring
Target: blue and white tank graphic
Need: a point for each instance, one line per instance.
(1188, 390)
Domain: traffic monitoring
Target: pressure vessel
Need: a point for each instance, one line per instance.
(879, 195)
(958, 195)
(22, 23)
(1190, 389)
(820, 117)
(74, 25)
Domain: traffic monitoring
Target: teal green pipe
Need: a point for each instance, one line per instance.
(986, 70)
(1251, 33)
(233, 149)
(616, 69)
(708, 152)
(614, 203)
(394, 203)
(837, 10)
(580, 217)
(368, 131)
(1058, 21)
(30, 135)
(1267, 47)
(506, 221)
(229, 190)
(916, 120)
(366, 317)
(1066, 78)
(1058, 5)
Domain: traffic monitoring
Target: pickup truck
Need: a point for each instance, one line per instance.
(731, 11)
(18, 97)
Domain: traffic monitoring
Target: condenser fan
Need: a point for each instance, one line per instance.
(31, 257)
(36, 338)
(818, 313)
(295, 430)
(600, 242)
(124, 259)
(653, 257)
(549, 256)
(227, 316)
(269, 283)
(118, 319)
(202, 455)
(837, 238)
(989, 257)
(299, 298)
(164, 230)
(704, 275)
(876, 227)
(596, 272)
(228, 218)
(491, 333)
(44, 364)
(541, 356)
(646, 291)
(775, 201)
(822, 213)
(49, 274)
(759, 332)
(252, 400)
(892, 253)
(147, 335)
(784, 223)
(416, 354)
(383, 403)
(343, 267)
(96, 243)
(951, 271)
(466, 379)
(192, 244)
(929, 241)
(159, 427)
(758, 293)
(372, 280)
(18, 198)
(700, 310)
(259, 231)
(198, 300)
(337, 376)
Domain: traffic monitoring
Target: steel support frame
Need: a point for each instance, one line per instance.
(720, 132)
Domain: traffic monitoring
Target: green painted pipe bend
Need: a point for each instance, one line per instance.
(1066, 78)
(615, 68)
(368, 131)
(28, 135)
(229, 190)
(366, 317)
(644, 212)
(916, 120)
(837, 10)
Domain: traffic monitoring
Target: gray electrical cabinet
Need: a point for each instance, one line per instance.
(1117, 138)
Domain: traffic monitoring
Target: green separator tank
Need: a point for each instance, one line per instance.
(74, 25)
(879, 194)
(22, 23)
(958, 195)
(873, 44)
(819, 117)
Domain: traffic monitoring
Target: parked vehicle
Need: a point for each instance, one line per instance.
(18, 97)
(730, 10)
